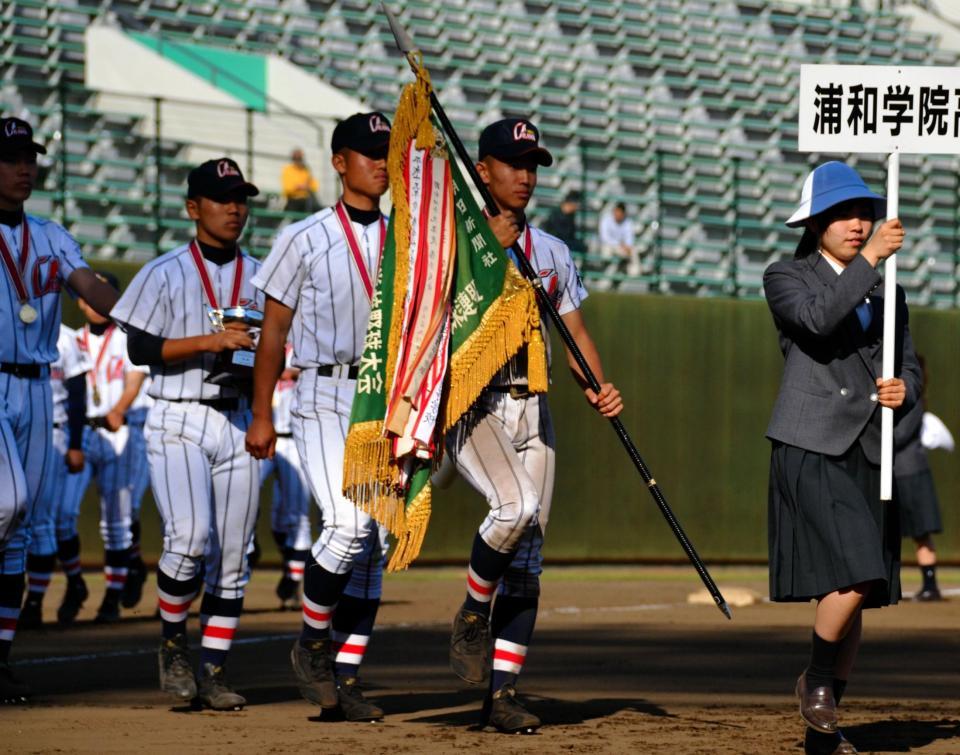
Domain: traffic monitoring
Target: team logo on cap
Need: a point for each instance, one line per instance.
(378, 124)
(13, 128)
(523, 132)
(227, 168)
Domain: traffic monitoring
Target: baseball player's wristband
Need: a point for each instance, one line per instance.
(25, 370)
(341, 371)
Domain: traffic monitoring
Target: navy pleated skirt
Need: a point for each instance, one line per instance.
(919, 509)
(828, 529)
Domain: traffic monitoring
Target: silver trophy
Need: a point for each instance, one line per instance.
(234, 368)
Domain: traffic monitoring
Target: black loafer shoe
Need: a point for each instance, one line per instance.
(817, 706)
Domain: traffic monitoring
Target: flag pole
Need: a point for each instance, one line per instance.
(889, 331)
(407, 47)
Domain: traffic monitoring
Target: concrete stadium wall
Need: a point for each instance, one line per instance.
(699, 377)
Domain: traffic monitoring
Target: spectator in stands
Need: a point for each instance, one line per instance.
(562, 222)
(617, 239)
(298, 185)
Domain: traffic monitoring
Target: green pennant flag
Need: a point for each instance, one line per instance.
(449, 310)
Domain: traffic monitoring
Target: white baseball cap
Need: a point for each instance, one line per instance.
(830, 184)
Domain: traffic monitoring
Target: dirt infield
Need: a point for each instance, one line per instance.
(620, 663)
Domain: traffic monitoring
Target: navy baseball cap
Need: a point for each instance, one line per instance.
(830, 184)
(366, 133)
(510, 138)
(15, 135)
(216, 179)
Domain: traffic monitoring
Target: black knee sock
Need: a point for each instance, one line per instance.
(321, 592)
(823, 660)
(68, 551)
(175, 597)
(134, 553)
(839, 687)
(116, 566)
(11, 596)
(352, 626)
(39, 573)
(220, 617)
(486, 568)
(511, 627)
(929, 575)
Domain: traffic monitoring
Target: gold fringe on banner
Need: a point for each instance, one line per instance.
(370, 479)
(410, 541)
(503, 330)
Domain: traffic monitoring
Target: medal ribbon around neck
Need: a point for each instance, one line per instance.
(208, 291)
(14, 269)
(354, 245)
(94, 373)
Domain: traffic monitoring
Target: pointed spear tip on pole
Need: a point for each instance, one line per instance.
(404, 40)
(722, 605)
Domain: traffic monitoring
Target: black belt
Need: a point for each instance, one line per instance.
(101, 422)
(515, 391)
(284, 435)
(23, 370)
(327, 370)
(219, 404)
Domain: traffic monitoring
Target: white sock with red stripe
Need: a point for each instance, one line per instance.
(174, 597)
(484, 572)
(295, 564)
(219, 618)
(322, 590)
(352, 626)
(115, 568)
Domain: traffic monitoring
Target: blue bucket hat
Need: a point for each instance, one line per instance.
(830, 184)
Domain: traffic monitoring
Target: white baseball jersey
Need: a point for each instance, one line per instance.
(69, 364)
(52, 258)
(111, 364)
(166, 299)
(552, 261)
(311, 270)
(283, 398)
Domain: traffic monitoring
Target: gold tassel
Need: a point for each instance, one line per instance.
(410, 541)
(370, 478)
(537, 376)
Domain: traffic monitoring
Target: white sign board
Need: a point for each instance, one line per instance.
(886, 109)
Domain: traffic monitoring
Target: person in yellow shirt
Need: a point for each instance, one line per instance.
(299, 185)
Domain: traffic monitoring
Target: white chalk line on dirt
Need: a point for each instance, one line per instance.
(562, 610)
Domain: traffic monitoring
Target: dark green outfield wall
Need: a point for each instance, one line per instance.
(698, 377)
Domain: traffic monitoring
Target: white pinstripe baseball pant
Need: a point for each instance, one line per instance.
(349, 538)
(206, 487)
(290, 513)
(508, 456)
(26, 454)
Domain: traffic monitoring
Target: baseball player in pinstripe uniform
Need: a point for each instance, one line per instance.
(318, 280)
(38, 256)
(290, 513)
(507, 453)
(113, 385)
(136, 419)
(204, 482)
(67, 386)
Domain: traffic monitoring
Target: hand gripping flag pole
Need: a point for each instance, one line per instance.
(407, 47)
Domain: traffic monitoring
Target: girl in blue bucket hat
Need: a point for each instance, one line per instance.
(830, 538)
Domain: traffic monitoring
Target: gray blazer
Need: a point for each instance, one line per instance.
(828, 395)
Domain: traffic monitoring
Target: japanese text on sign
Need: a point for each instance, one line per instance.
(884, 109)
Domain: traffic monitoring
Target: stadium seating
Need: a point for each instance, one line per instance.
(684, 109)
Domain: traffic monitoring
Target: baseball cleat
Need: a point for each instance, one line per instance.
(506, 714)
(287, 590)
(109, 611)
(73, 600)
(176, 671)
(133, 587)
(354, 706)
(470, 647)
(214, 692)
(31, 615)
(13, 691)
(314, 671)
